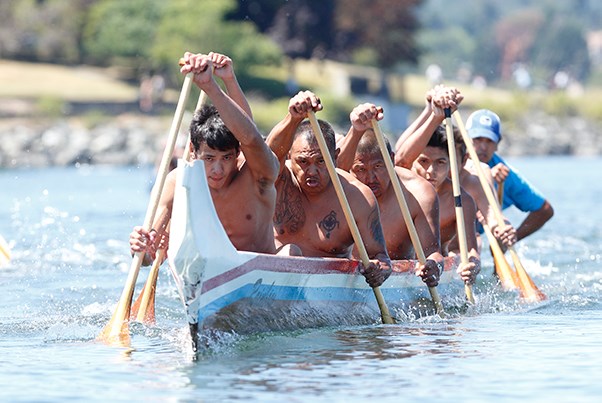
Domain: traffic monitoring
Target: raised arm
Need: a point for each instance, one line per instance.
(258, 156)
(361, 121)
(412, 142)
(224, 69)
(282, 135)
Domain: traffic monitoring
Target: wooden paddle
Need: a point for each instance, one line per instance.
(405, 210)
(506, 273)
(500, 193)
(357, 238)
(143, 308)
(4, 252)
(528, 289)
(117, 330)
(457, 191)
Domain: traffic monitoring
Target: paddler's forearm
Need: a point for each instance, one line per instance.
(281, 137)
(413, 126)
(534, 221)
(236, 93)
(234, 117)
(348, 146)
(416, 142)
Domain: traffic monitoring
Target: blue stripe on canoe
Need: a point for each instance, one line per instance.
(269, 292)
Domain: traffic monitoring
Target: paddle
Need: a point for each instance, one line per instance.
(4, 252)
(357, 238)
(117, 330)
(144, 307)
(500, 193)
(143, 310)
(457, 191)
(405, 210)
(506, 273)
(528, 289)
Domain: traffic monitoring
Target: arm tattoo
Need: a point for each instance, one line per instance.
(376, 228)
(289, 215)
(329, 223)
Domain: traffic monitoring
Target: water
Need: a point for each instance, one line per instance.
(68, 229)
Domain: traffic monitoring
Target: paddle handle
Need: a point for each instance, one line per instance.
(457, 192)
(357, 237)
(405, 210)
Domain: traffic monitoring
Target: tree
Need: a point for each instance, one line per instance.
(562, 47)
(185, 25)
(304, 28)
(121, 30)
(42, 30)
(387, 27)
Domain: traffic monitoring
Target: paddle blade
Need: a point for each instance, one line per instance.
(505, 273)
(143, 309)
(4, 252)
(117, 331)
(528, 289)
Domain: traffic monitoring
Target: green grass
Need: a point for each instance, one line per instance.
(51, 86)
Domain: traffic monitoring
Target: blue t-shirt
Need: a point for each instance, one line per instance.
(517, 190)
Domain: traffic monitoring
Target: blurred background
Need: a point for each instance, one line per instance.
(96, 81)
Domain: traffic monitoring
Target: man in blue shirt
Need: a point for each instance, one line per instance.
(485, 130)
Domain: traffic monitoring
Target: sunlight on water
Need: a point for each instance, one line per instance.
(68, 239)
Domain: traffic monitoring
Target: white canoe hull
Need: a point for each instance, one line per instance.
(243, 292)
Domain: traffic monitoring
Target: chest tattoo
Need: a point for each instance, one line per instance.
(329, 223)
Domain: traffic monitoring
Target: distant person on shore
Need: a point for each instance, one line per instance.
(308, 211)
(239, 166)
(484, 127)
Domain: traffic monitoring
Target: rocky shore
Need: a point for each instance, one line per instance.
(134, 139)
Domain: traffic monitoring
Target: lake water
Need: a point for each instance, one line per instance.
(68, 230)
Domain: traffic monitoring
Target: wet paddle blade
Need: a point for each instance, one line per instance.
(529, 291)
(504, 271)
(143, 309)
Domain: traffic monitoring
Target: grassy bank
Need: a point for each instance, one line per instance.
(46, 88)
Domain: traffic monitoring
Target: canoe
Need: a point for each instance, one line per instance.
(225, 290)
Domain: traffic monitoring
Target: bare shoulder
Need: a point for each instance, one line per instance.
(416, 184)
(355, 190)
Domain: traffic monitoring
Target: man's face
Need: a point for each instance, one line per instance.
(484, 148)
(308, 166)
(220, 166)
(370, 169)
(432, 165)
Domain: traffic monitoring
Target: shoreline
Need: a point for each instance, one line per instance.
(135, 139)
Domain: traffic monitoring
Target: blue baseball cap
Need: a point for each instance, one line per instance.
(484, 123)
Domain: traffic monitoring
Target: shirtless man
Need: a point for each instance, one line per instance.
(218, 135)
(361, 155)
(308, 212)
(433, 165)
(415, 138)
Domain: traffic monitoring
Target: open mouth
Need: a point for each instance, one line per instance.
(312, 182)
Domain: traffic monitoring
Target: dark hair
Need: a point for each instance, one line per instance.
(305, 130)
(439, 139)
(209, 128)
(368, 144)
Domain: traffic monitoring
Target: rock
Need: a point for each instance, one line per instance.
(140, 140)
